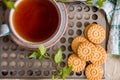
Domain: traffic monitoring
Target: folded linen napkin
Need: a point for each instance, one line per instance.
(112, 9)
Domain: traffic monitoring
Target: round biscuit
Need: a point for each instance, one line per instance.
(76, 42)
(94, 72)
(96, 34)
(76, 63)
(100, 56)
(86, 51)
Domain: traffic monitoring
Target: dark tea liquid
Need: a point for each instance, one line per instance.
(36, 20)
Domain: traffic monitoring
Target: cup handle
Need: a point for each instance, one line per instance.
(4, 30)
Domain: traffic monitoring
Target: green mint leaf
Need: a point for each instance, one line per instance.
(89, 2)
(46, 56)
(64, 0)
(104, 0)
(53, 77)
(40, 57)
(100, 3)
(9, 4)
(61, 0)
(34, 55)
(42, 49)
(58, 56)
(69, 70)
(60, 74)
(65, 72)
(40, 53)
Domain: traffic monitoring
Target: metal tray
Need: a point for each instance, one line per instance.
(14, 62)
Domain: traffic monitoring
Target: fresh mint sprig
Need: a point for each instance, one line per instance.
(65, 72)
(40, 54)
(89, 2)
(8, 4)
(98, 3)
(64, 0)
(61, 0)
(53, 77)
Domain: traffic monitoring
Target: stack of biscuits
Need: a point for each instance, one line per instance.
(88, 48)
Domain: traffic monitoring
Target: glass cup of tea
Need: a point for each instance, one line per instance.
(36, 22)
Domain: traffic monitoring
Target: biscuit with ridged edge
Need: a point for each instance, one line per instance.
(100, 56)
(96, 33)
(76, 42)
(86, 51)
(76, 63)
(94, 72)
